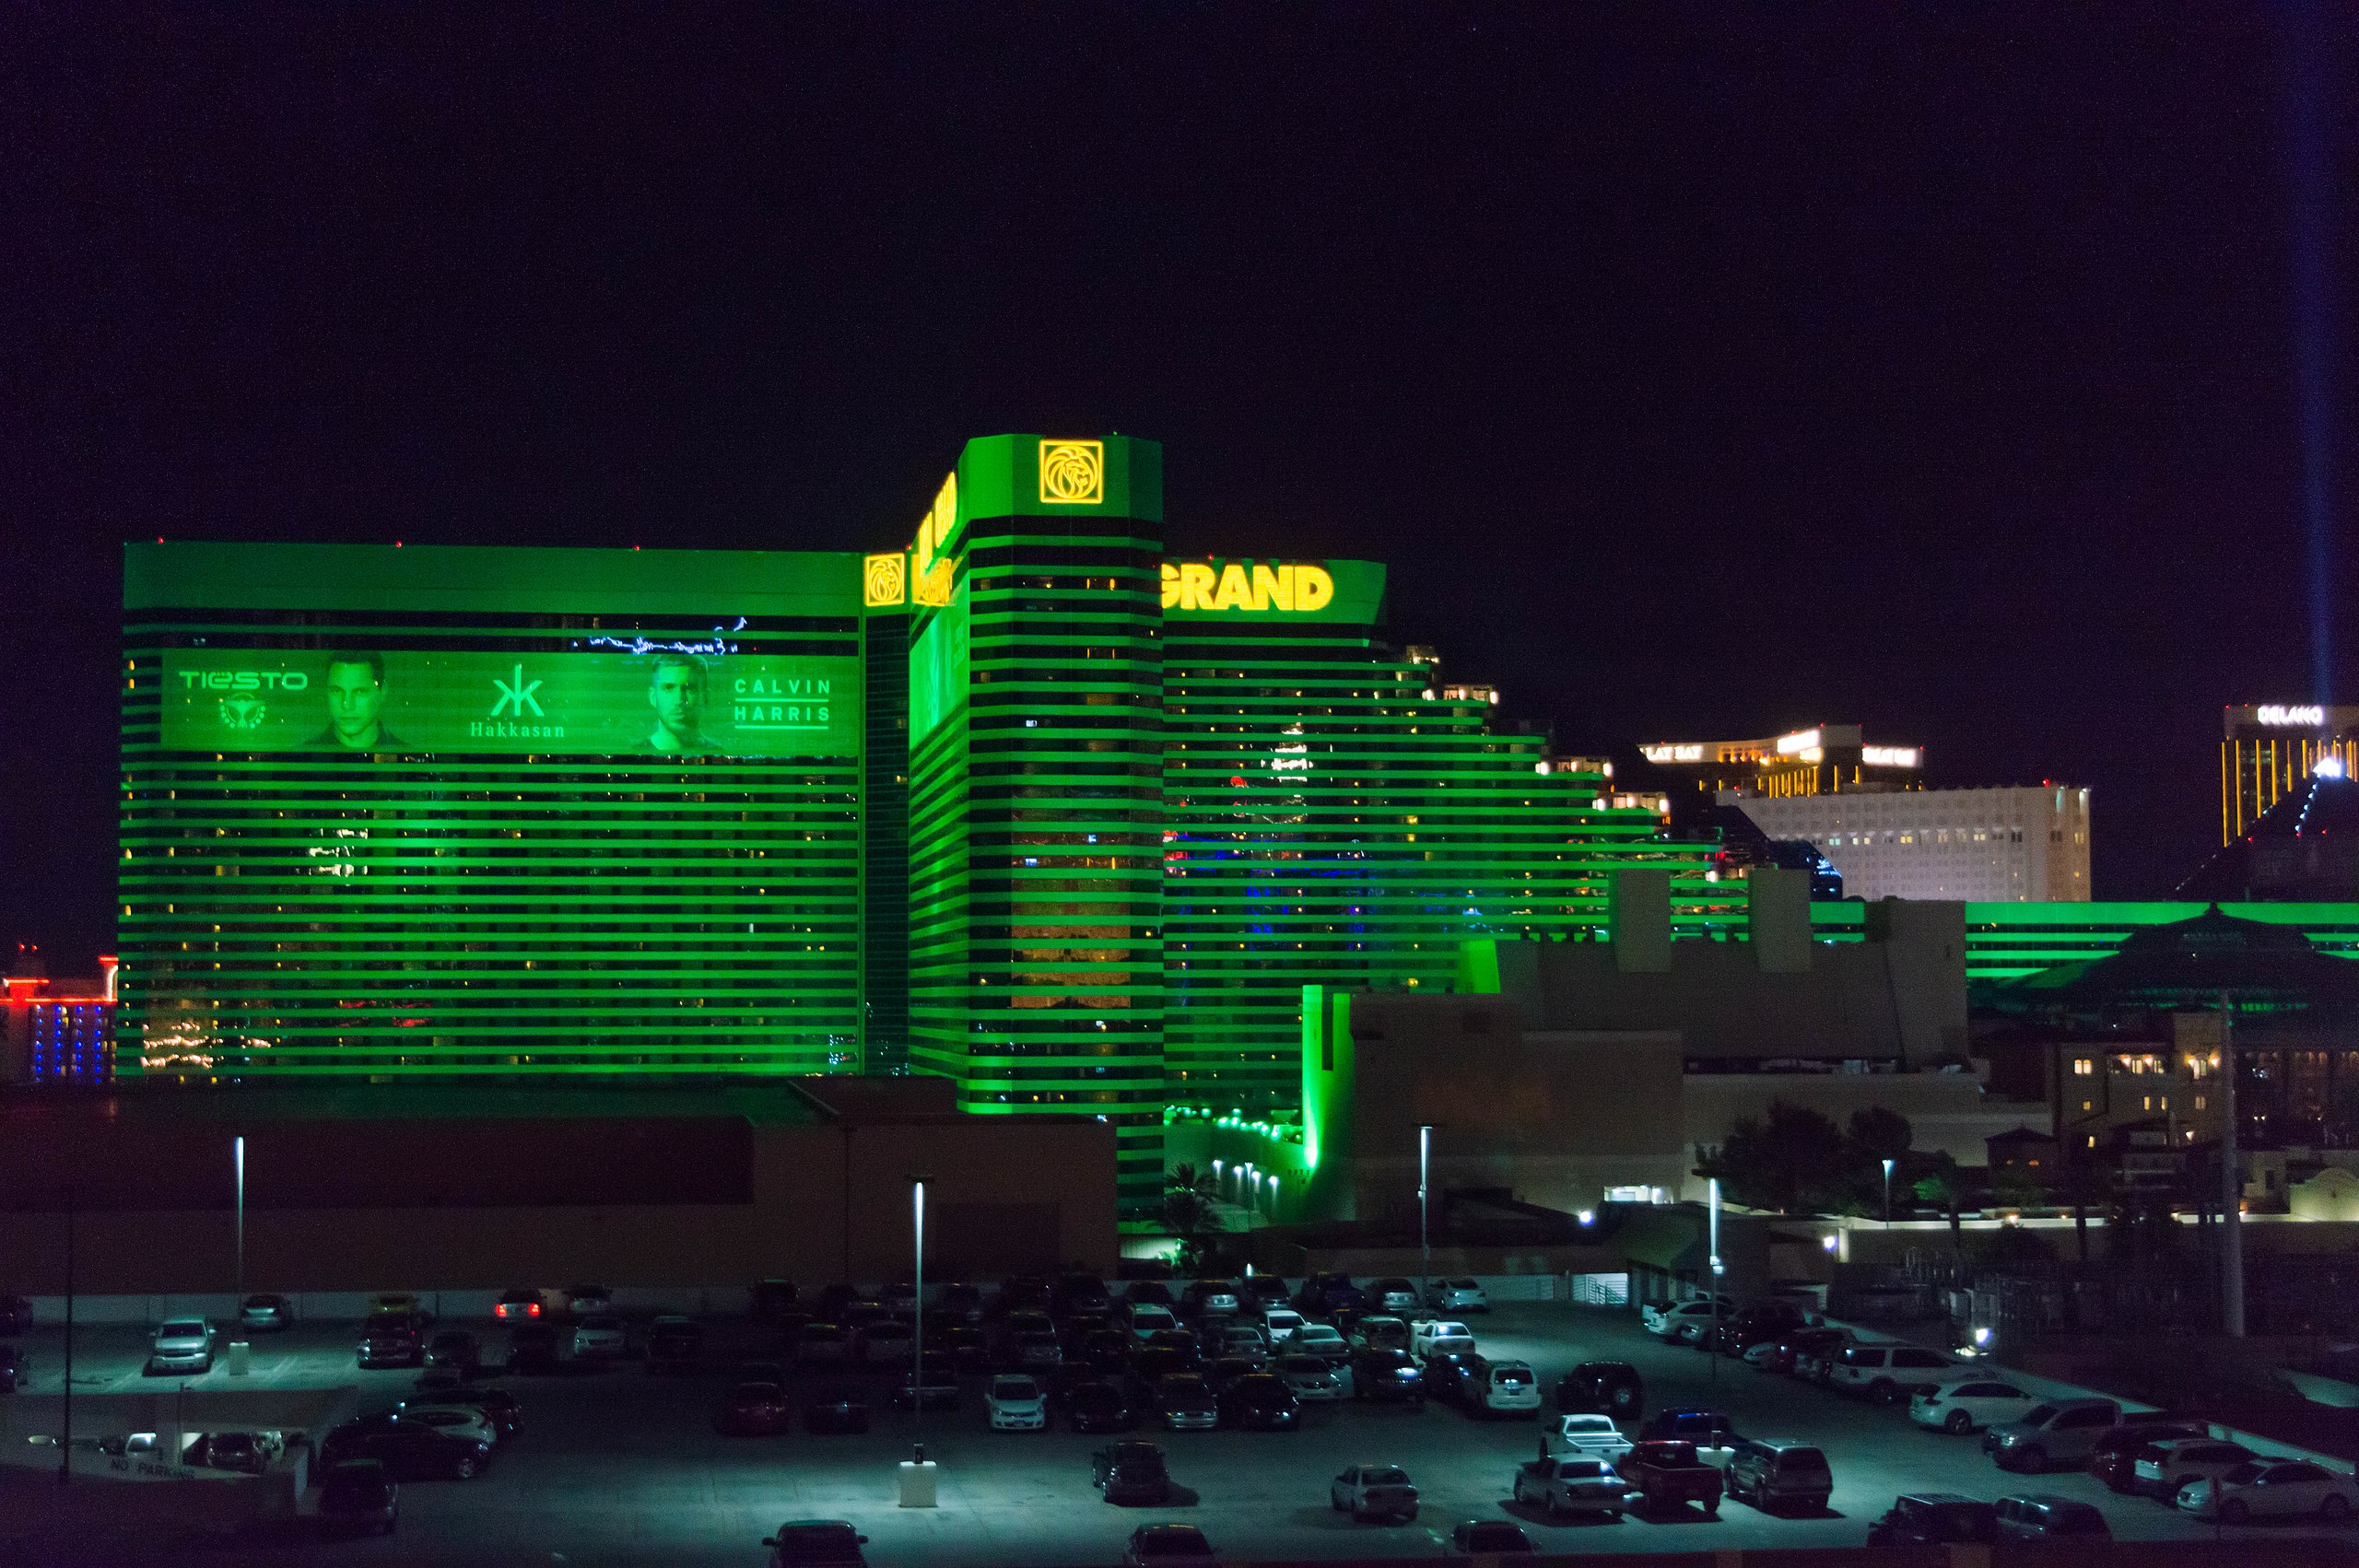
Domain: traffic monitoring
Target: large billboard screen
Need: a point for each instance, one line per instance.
(655, 704)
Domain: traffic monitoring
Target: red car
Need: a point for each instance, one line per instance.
(754, 1410)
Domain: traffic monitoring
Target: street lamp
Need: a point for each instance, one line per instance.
(237, 1157)
(917, 1339)
(1424, 1237)
(1712, 1253)
(1887, 1192)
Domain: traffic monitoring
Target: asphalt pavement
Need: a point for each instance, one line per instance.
(622, 1466)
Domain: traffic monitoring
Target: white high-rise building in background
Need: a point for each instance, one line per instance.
(1998, 845)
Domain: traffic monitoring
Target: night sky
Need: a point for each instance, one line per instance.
(1701, 371)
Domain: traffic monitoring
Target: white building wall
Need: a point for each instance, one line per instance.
(1998, 845)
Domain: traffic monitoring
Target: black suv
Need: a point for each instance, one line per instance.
(1260, 1402)
(1131, 1474)
(1388, 1376)
(1602, 1388)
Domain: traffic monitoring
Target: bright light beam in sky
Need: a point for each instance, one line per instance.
(2313, 323)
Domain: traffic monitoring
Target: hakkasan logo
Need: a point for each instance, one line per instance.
(1072, 472)
(516, 696)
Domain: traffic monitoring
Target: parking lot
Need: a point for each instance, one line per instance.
(622, 1464)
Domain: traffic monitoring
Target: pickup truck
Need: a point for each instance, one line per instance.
(1668, 1475)
(1586, 1436)
(1439, 1336)
(1571, 1486)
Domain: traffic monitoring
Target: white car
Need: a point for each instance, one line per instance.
(1281, 1324)
(2177, 1463)
(459, 1421)
(1313, 1379)
(1504, 1387)
(1683, 1320)
(599, 1338)
(1374, 1491)
(1888, 1373)
(1461, 1294)
(1147, 1319)
(2272, 1489)
(1967, 1406)
(1016, 1405)
(1395, 1296)
(181, 1344)
(1321, 1339)
(1588, 1437)
(1427, 1336)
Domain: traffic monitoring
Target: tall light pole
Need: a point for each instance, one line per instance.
(237, 1157)
(1713, 1265)
(1424, 1237)
(1887, 1192)
(2232, 1194)
(916, 1340)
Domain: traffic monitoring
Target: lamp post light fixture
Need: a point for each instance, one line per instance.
(238, 1158)
(1887, 1192)
(917, 1337)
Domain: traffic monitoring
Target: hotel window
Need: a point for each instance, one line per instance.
(2083, 1067)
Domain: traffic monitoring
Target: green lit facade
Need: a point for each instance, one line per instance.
(2007, 940)
(1028, 803)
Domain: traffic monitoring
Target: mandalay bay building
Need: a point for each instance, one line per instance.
(1029, 803)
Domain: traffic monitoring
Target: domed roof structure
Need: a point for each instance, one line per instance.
(2195, 963)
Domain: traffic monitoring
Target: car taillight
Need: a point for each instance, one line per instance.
(533, 1310)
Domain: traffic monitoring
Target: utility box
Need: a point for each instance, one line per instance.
(241, 1358)
(918, 1482)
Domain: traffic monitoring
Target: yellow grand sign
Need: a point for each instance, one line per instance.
(1236, 585)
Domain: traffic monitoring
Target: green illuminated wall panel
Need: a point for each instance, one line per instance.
(2004, 940)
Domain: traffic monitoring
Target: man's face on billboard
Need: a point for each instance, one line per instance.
(355, 698)
(677, 695)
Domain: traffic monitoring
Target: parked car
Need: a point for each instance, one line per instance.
(1460, 1295)
(1815, 1360)
(1585, 1435)
(890, 1343)
(502, 1411)
(1666, 1320)
(766, 1300)
(960, 1302)
(2163, 1470)
(1379, 1331)
(1242, 1339)
(400, 1304)
(1393, 1295)
(390, 1341)
(1935, 1518)
(1132, 1475)
(1500, 1388)
(590, 1301)
(240, 1451)
(1890, 1374)
(181, 1344)
(535, 1347)
(456, 1349)
(1772, 1473)
(1387, 1376)
(1321, 1339)
(824, 1344)
(1664, 1475)
(1968, 1406)
(836, 1408)
(1374, 1491)
(455, 1421)
(1571, 1484)
(1185, 1402)
(1017, 1404)
(1211, 1298)
(265, 1314)
(2043, 1516)
(2061, 1432)
(1225, 1370)
(1712, 1433)
(816, 1543)
(1151, 1545)
(600, 1336)
(13, 1368)
(1322, 1295)
(1280, 1323)
(1780, 1353)
(674, 1343)
(15, 1313)
(2113, 1457)
(1440, 1336)
(1260, 1402)
(1315, 1380)
(357, 1497)
(1099, 1406)
(1079, 1294)
(1489, 1538)
(517, 1305)
(408, 1450)
(1447, 1376)
(2271, 1490)
(1155, 1290)
(1147, 1318)
(1261, 1290)
(753, 1409)
(1602, 1387)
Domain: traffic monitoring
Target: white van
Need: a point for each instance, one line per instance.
(1504, 1387)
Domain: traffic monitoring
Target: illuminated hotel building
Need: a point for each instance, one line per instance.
(2005, 845)
(2268, 749)
(1825, 759)
(1029, 804)
(57, 1032)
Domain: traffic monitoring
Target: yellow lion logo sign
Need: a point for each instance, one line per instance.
(885, 579)
(1072, 472)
